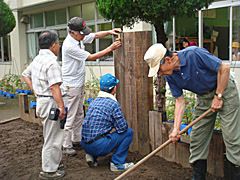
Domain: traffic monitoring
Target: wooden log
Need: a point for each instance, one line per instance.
(23, 107)
(215, 160)
(168, 153)
(182, 154)
(135, 89)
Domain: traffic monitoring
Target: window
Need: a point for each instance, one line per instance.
(216, 32)
(5, 53)
(37, 20)
(75, 11)
(50, 18)
(106, 41)
(61, 17)
(62, 34)
(186, 30)
(236, 34)
(88, 11)
(91, 48)
(32, 46)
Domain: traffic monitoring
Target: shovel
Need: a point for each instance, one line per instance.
(162, 146)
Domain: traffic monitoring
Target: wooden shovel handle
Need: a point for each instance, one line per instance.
(162, 146)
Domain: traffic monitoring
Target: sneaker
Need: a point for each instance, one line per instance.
(69, 151)
(121, 167)
(90, 161)
(77, 145)
(61, 167)
(51, 175)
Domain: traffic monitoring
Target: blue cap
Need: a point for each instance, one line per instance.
(108, 82)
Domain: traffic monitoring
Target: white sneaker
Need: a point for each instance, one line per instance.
(121, 167)
(90, 161)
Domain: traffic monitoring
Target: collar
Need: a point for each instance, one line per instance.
(72, 40)
(181, 58)
(106, 95)
(47, 52)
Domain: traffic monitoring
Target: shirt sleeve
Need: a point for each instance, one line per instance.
(207, 60)
(89, 38)
(28, 72)
(77, 53)
(175, 90)
(120, 124)
(54, 74)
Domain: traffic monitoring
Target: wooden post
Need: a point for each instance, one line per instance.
(135, 90)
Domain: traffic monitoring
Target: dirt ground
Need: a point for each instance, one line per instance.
(20, 157)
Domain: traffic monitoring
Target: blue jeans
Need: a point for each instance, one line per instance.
(109, 143)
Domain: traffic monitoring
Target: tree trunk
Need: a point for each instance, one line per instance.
(160, 82)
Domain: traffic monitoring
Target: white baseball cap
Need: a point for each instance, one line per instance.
(153, 57)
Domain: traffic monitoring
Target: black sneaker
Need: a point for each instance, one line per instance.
(77, 145)
(51, 175)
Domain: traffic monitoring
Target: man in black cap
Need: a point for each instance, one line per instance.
(73, 71)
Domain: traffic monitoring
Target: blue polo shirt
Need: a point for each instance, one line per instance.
(197, 73)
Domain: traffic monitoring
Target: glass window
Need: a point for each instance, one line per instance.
(189, 30)
(91, 48)
(75, 11)
(50, 18)
(5, 54)
(32, 46)
(62, 34)
(88, 11)
(236, 34)
(38, 20)
(61, 16)
(99, 15)
(168, 26)
(216, 32)
(106, 41)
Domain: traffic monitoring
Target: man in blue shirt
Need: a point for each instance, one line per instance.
(105, 114)
(196, 70)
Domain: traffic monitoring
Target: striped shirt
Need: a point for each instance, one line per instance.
(73, 60)
(44, 72)
(102, 116)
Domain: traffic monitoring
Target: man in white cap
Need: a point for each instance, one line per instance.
(73, 72)
(196, 70)
(105, 114)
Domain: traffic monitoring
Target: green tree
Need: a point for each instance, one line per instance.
(7, 19)
(155, 12)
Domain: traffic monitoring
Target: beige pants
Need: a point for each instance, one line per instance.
(52, 134)
(73, 126)
(230, 123)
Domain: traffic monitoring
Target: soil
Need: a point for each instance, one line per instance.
(20, 156)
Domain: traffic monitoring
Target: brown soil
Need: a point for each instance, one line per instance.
(20, 157)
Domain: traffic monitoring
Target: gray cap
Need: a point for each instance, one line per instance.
(78, 24)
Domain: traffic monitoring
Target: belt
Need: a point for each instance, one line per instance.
(50, 96)
(95, 139)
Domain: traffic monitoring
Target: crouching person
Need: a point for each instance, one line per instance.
(43, 75)
(103, 115)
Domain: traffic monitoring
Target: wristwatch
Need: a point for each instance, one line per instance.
(219, 95)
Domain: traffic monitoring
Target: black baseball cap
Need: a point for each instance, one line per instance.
(78, 24)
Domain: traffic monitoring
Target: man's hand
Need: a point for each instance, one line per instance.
(115, 31)
(62, 113)
(174, 135)
(115, 45)
(216, 104)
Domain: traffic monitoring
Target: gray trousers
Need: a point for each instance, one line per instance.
(73, 126)
(229, 120)
(52, 134)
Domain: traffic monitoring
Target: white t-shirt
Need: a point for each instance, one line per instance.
(73, 60)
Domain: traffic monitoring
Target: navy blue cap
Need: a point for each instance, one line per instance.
(108, 82)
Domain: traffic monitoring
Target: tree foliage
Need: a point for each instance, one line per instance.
(7, 19)
(155, 12)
